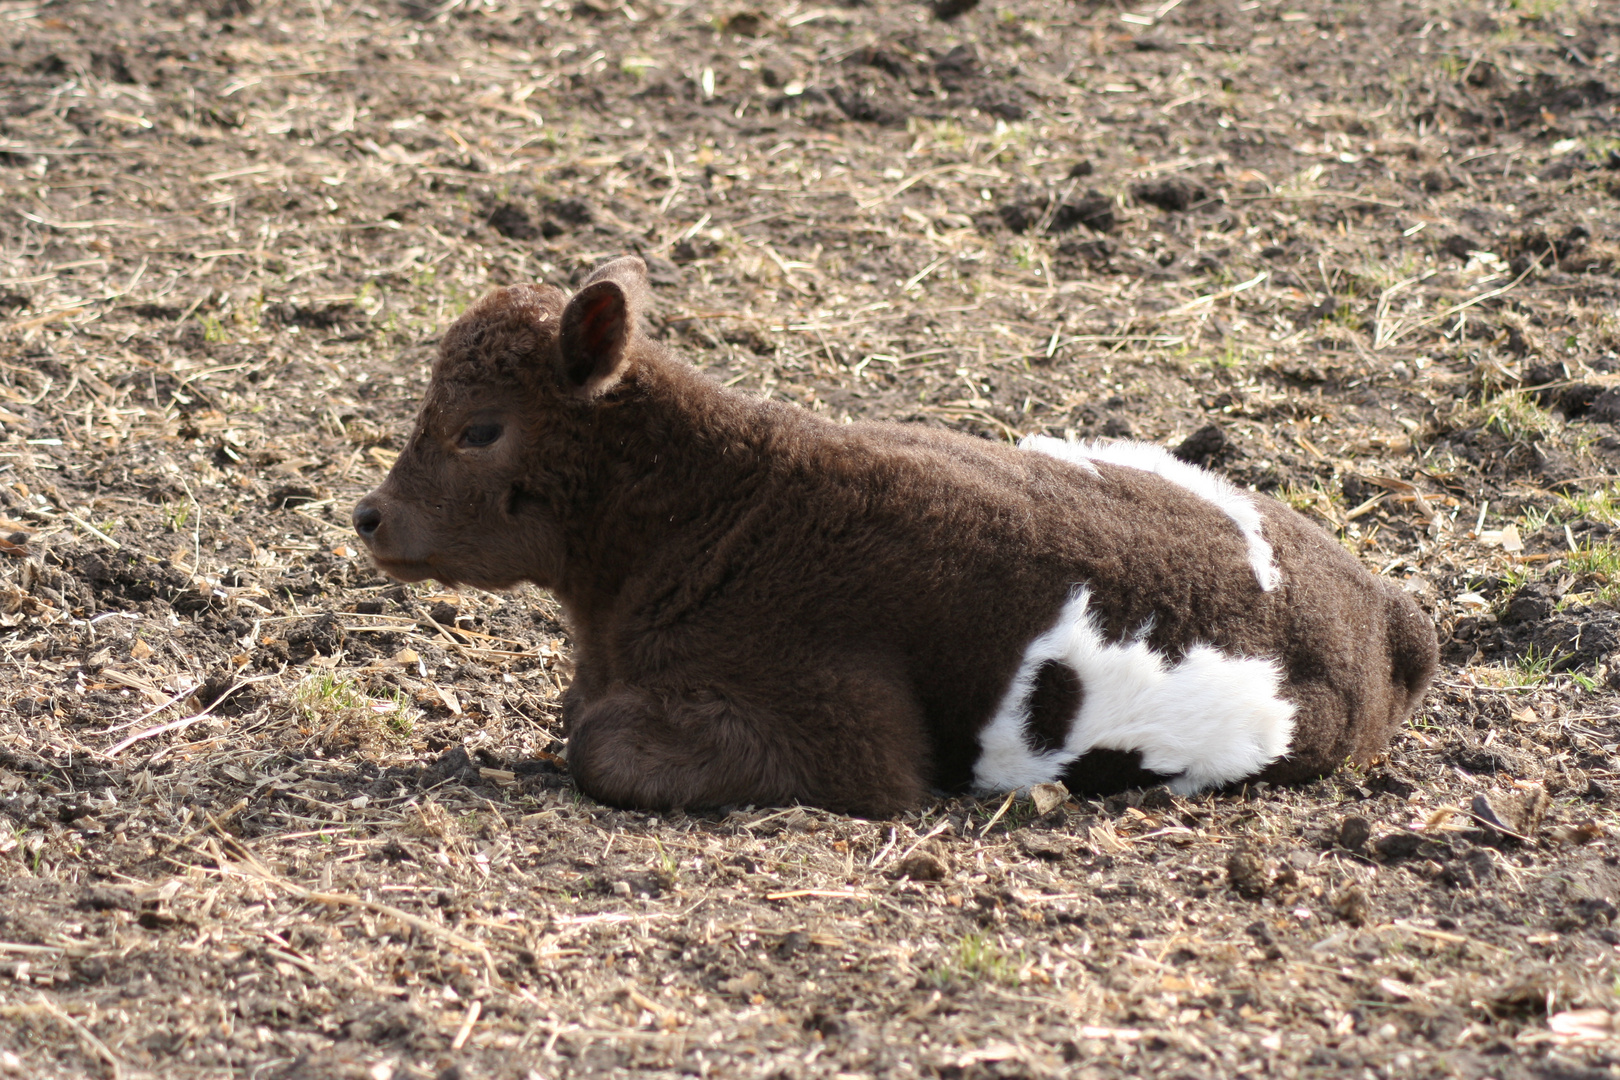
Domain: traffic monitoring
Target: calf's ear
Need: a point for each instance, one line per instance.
(598, 324)
(628, 270)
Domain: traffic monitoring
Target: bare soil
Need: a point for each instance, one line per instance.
(267, 815)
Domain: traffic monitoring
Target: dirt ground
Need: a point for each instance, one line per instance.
(268, 815)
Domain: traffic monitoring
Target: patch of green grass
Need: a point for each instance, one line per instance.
(1599, 147)
(401, 722)
(1345, 315)
(1302, 183)
(1017, 814)
(1381, 276)
(1531, 669)
(213, 329)
(1513, 414)
(249, 315)
(329, 702)
(1535, 518)
(637, 66)
(945, 133)
(1517, 416)
(423, 278)
(326, 693)
(1315, 500)
(1012, 140)
(1231, 357)
(1601, 505)
(1513, 579)
(1536, 10)
(1601, 563)
(977, 958)
(667, 864)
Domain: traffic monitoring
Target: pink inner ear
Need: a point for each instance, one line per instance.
(595, 331)
(600, 329)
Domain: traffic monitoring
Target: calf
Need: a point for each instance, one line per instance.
(768, 606)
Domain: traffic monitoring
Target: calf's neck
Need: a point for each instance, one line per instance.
(769, 607)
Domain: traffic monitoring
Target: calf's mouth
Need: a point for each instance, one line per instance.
(382, 528)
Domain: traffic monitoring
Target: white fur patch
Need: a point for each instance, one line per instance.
(1226, 496)
(1209, 720)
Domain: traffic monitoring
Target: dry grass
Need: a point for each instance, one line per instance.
(267, 815)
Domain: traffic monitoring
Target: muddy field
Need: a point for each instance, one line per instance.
(264, 814)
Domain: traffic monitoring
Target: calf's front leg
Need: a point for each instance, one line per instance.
(630, 747)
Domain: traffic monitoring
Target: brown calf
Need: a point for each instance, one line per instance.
(770, 607)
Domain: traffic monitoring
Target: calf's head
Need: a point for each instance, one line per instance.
(498, 459)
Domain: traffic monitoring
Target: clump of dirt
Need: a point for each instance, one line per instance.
(265, 812)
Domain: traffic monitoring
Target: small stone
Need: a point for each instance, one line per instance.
(1043, 846)
(1048, 797)
(1526, 607)
(1158, 798)
(1481, 867)
(1205, 447)
(1353, 905)
(922, 866)
(1263, 937)
(1246, 871)
(1093, 210)
(746, 24)
(1403, 845)
(1511, 817)
(742, 985)
(1530, 809)
(793, 942)
(1019, 216)
(1354, 832)
(1390, 784)
(98, 898)
(946, 10)
(1174, 193)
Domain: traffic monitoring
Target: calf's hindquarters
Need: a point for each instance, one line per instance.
(943, 559)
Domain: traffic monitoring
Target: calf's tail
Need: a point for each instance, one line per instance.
(1414, 651)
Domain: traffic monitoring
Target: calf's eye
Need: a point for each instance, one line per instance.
(480, 434)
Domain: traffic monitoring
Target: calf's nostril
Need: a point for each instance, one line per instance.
(366, 520)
